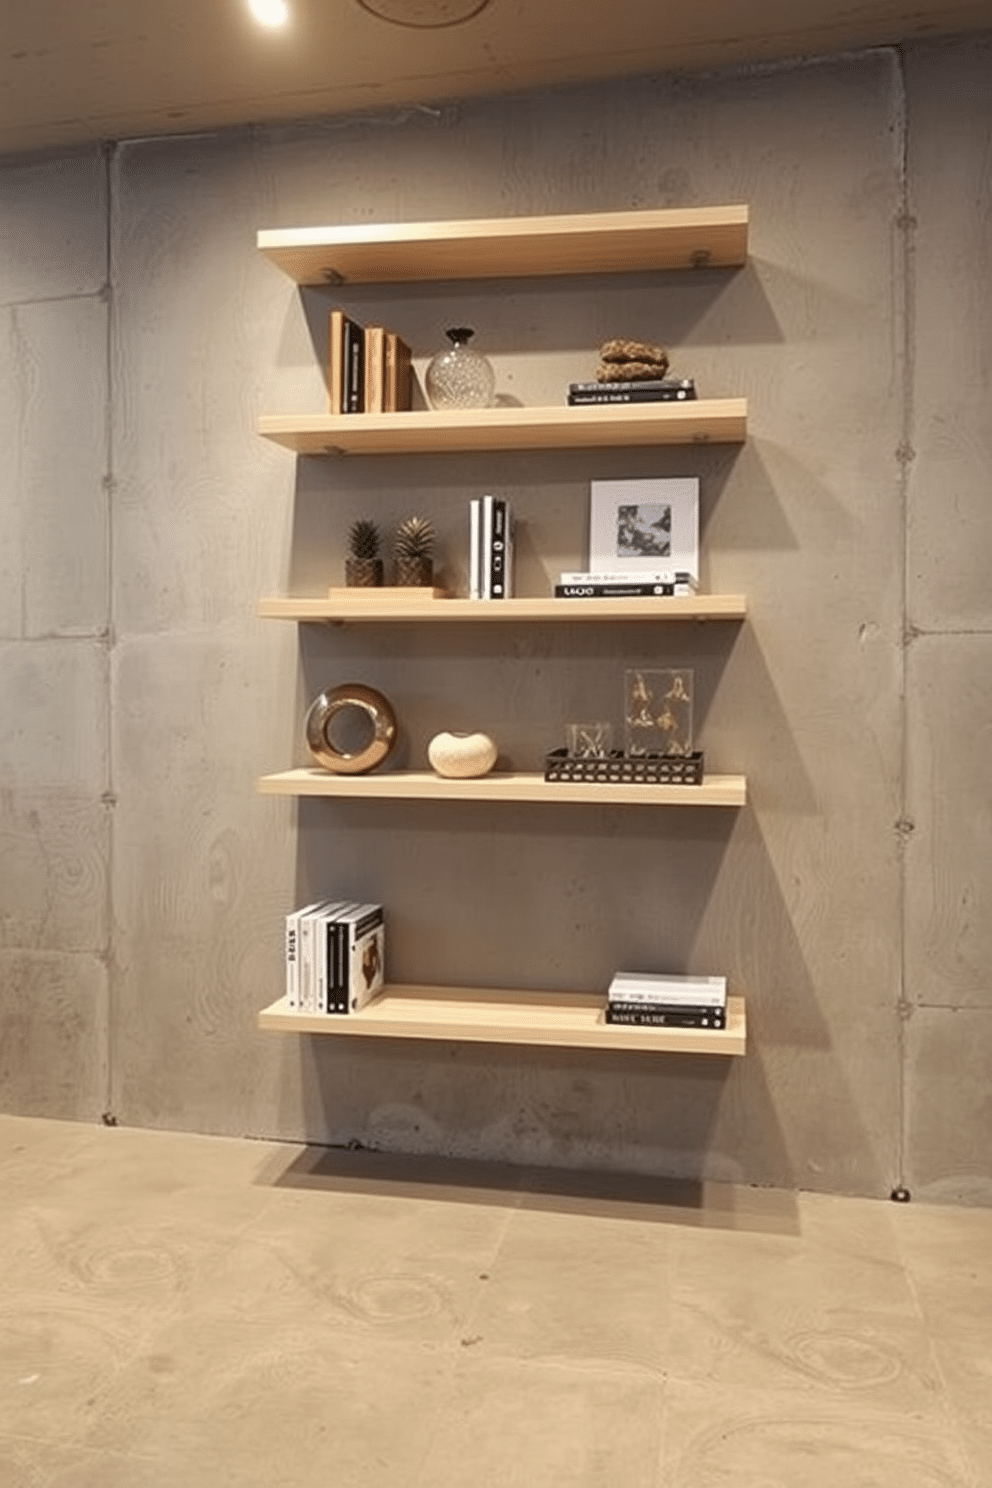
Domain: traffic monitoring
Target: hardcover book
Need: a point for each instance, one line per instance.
(662, 1018)
(345, 355)
(398, 390)
(635, 986)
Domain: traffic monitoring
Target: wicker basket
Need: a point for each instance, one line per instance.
(626, 769)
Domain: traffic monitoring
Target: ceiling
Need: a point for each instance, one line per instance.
(75, 71)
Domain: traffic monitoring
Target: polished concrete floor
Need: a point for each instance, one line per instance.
(178, 1312)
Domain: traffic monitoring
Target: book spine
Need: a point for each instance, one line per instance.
(670, 996)
(292, 963)
(486, 553)
(354, 388)
(398, 374)
(335, 361)
(651, 1019)
(475, 548)
(689, 1009)
(636, 384)
(607, 394)
(497, 550)
(632, 576)
(620, 591)
(375, 369)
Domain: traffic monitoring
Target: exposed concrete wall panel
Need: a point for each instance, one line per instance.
(950, 513)
(53, 464)
(800, 899)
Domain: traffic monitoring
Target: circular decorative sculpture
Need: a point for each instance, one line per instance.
(461, 756)
(374, 712)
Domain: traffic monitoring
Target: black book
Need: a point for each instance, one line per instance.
(649, 1016)
(354, 368)
(618, 591)
(497, 549)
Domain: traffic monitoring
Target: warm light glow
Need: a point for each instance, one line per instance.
(269, 12)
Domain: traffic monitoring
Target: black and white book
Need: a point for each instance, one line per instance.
(346, 361)
(671, 390)
(621, 591)
(635, 576)
(328, 955)
(699, 1009)
(363, 956)
(309, 951)
(293, 949)
(653, 987)
(495, 548)
(655, 1017)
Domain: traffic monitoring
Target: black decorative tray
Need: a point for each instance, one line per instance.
(617, 768)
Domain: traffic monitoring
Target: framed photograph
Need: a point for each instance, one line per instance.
(644, 526)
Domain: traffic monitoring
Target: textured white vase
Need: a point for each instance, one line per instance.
(460, 756)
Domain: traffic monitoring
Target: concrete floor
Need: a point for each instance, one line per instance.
(180, 1311)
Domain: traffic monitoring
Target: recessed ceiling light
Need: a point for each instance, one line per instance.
(425, 13)
(269, 12)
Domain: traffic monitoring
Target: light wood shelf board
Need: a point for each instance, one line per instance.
(704, 421)
(511, 247)
(676, 607)
(715, 790)
(479, 1015)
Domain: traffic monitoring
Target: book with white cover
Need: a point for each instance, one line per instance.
(634, 986)
(363, 955)
(293, 951)
(307, 953)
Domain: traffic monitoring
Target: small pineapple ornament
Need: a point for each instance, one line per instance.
(363, 565)
(413, 551)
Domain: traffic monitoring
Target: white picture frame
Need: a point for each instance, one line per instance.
(639, 526)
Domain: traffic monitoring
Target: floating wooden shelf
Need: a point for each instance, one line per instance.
(715, 790)
(677, 607)
(478, 1015)
(704, 421)
(511, 247)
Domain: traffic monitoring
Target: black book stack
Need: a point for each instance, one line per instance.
(653, 390)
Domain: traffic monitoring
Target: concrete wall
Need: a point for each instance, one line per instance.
(144, 882)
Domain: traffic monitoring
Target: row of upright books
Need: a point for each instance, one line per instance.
(490, 548)
(652, 1000)
(335, 956)
(369, 368)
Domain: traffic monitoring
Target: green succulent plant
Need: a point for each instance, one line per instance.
(414, 542)
(364, 539)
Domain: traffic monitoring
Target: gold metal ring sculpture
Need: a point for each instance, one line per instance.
(376, 708)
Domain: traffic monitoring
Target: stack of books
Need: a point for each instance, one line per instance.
(633, 584)
(651, 390)
(369, 368)
(335, 956)
(490, 562)
(652, 1000)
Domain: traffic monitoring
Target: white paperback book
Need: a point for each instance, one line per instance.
(634, 986)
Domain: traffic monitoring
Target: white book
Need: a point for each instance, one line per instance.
(633, 986)
(633, 576)
(486, 549)
(475, 548)
(293, 952)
